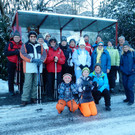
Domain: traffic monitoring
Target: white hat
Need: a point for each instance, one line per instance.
(82, 41)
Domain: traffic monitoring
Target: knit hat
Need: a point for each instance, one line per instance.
(47, 35)
(126, 43)
(16, 33)
(32, 33)
(100, 43)
(67, 75)
(86, 68)
(86, 35)
(40, 36)
(97, 64)
(63, 38)
(98, 36)
(72, 40)
(82, 41)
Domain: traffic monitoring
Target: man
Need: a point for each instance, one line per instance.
(33, 55)
(98, 39)
(88, 46)
(14, 62)
(120, 49)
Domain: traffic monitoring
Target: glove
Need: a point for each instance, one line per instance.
(94, 84)
(81, 66)
(37, 61)
(17, 52)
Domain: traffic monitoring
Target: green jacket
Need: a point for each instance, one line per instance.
(114, 54)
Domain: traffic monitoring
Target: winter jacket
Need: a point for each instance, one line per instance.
(84, 86)
(88, 48)
(50, 64)
(105, 60)
(29, 51)
(66, 91)
(81, 57)
(127, 63)
(101, 80)
(12, 51)
(68, 55)
(114, 54)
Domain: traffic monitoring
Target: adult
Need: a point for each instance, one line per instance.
(98, 39)
(47, 38)
(88, 47)
(72, 45)
(14, 61)
(121, 40)
(101, 55)
(127, 67)
(81, 58)
(54, 55)
(102, 86)
(115, 62)
(66, 67)
(33, 55)
(41, 41)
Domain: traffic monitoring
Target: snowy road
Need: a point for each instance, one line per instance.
(26, 121)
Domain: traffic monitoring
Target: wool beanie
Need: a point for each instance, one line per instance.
(32, 33)
(100, 43)
(16, 33)
(40, 36)
(82, 41)
(67, 74)
(63, 38)
(85, 68)
(126, 43)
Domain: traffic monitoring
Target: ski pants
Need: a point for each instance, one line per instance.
(29, 87)
(128, 82)
(88, 109)
(97, 96)
(62, 103)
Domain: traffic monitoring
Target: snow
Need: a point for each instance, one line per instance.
(15, 120)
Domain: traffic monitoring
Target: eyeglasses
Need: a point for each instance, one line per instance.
(32, 36)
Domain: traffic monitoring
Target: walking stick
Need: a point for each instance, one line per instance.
(55, 83)
(71, 113)
(38, 89)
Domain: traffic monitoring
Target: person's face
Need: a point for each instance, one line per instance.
(100, 46)
(99, 39)
(16, 39)
(72, 44)
(86, 39)
(121, 41)
(85, 73)
(47, 37)
(125, 48)
(82, 46)
(109, 44)
(67, 79)
(33, 38)
(53, 43)
(63, 43)
(40, 41)
(97, 69)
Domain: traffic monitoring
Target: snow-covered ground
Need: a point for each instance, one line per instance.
(15, 120)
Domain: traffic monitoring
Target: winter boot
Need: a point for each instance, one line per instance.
(33, 101)
(24, 103)
(108, 108)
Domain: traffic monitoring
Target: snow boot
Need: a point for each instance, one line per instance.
(108, 108)
(23, 104)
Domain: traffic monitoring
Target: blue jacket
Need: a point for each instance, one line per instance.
(127, 63)
(105, 60)
(102, 81)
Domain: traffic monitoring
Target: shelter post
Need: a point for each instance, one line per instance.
(116, 33)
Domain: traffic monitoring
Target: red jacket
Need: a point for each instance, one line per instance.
(50, 64)
(10, 51)
(89, 48)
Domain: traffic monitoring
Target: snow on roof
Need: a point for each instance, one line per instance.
(62, 21)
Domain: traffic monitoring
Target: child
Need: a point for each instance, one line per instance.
(66, 90)
(84, 84)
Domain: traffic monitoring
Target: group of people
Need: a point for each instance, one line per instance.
(88, 71)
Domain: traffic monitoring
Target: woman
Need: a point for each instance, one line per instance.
(54, 55)
(127, 67)
(81, 58)
(101, 55)
(115, 62)
(102, 86)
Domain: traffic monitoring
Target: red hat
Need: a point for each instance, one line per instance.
(67, 74)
